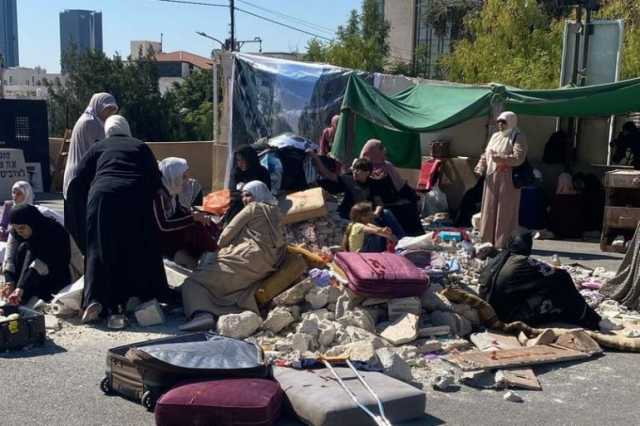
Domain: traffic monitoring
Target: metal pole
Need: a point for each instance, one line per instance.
(233, 24)
(215, 96)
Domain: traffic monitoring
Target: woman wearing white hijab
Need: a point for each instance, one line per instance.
(251, 247)
(181, 230)
(507, 149)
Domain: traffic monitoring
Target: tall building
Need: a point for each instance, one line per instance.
(80, 29)
(9, 33)
(417, 38)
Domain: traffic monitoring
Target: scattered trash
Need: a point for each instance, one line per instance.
(443, 383)
(512, 397)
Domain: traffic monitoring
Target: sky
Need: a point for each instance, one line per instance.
(126, 20)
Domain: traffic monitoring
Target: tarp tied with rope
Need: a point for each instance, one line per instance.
(399, 119)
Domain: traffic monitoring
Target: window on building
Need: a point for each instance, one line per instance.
(22, 129)
(431, 40)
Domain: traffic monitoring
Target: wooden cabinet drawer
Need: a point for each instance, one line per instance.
(622, 179)
(622, 217)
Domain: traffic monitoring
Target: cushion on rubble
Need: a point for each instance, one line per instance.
(292, 268)
(317, 398)
(222, 402)
(304, 205)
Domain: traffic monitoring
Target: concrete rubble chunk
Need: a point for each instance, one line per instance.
(443, 383)
(327, 333)
(358, 317)
(401, 331)
(278, 319)
(406, 352)
(430, 346)
(404, 305)
(345, 303)
(431, 331)
(393, 365)
(334, 294)
(318, 297)
(455, 344)
(295, 295)
(149, 314)
(239, 326)
(320, 315)
(512, 397)
(460, 326)
(301, 342)
(355, 334)
(309, 327)
(363, 352)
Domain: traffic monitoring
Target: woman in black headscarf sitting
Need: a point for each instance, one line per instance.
(42, 259)
(247, 168)
(522, 289)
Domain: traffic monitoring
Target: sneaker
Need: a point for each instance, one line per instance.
(92, 313)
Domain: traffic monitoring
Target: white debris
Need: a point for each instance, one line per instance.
(278, 319)
(443, 383)
(358, 317)
(393, 365)
(318, 297)
(295, 295)
(404, 305)
(239, 326)
(302, 342)
(512, 397)
(327, 333)
(401, 331)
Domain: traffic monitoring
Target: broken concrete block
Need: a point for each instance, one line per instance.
(52, 323)
(320, 315)
(406, 352)
(363, 352)
(512, 397)
(301, 342)
(149, 314)
(309, 326)
(327, 333)
(546, 337)
(449, 345)
(295, 295)
(334, 294)
(355, 334)
(440, 330)
(345, 303)
(443, 383)
(283, 346)
(239, 326)
(358, 317)
(278, 319)
(393, 365)
(405, 305)
(318, 297)
(401, 331)
(295, 311)
(460, 326)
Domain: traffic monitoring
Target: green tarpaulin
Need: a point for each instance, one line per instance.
(397, 120)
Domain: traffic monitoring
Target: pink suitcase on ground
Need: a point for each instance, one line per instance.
(384, 275)
(231, 402)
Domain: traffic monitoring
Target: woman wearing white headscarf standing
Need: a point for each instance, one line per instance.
(113, 190)
(507, 149)
(251, 247)
(192, 233)
(88, 130)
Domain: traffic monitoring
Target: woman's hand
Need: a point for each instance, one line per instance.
(7, 289)
(378, 211)
(15, 298)
(201, 217)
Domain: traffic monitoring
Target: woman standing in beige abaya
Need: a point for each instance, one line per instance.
(507, 149)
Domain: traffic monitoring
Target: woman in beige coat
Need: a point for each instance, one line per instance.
(507, 149)
(251, 247)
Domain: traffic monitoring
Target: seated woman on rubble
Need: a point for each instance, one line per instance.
(252, 246)
(356, 187)
(184, 235)
(395, 193)
(522, 289)
(40, 263)
(362, 235)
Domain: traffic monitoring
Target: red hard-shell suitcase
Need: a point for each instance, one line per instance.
(231, 402)
(384, 275)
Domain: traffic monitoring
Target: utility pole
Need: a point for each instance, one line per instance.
(232, 9)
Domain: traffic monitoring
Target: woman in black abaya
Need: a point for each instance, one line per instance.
(119, 178)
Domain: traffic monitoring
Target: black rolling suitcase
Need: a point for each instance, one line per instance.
(144, 371)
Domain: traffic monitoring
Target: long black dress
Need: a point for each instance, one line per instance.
(119, 178)
(41, 264)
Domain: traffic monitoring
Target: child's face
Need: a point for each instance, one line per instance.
(370, 217)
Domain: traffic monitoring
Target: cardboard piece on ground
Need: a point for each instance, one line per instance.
(547, 337)
(514, 358)
(303, 205)
(494, 341)
(579, 341)
(517, 379)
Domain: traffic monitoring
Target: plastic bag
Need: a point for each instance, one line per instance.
(217, 202)
(435, 201)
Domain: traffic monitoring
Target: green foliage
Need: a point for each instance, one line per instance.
(510, 41)
(361, 44)
(185, 113)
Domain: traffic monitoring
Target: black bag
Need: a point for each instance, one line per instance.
(522, 175)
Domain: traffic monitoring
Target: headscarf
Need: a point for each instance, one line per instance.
(25, 188)
(173, 170)
(88, 129)
(520, 245)
(374, 151)
(502, 142)
(117, 125)
(260, 192)
(254, 171)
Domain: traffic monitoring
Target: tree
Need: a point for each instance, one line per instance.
(510, 41)
(361, 44)
(191, 107)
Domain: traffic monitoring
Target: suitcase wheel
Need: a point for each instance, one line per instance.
(148, 401)
(105, 385)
